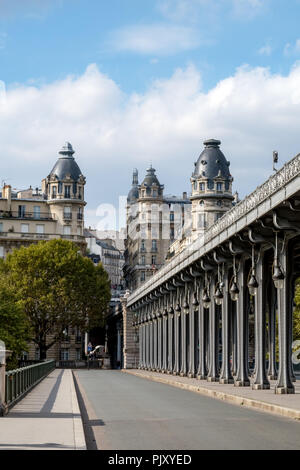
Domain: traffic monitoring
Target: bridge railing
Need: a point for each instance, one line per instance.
(19, 381)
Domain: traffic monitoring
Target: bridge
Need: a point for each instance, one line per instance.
(192, 316)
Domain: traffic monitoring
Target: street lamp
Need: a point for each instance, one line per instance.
(206, 299)
(234, 289)
(278, 275)
(218, 295)
(253, 284)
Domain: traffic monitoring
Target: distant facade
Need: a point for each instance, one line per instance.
(112, 258)
(152, 222)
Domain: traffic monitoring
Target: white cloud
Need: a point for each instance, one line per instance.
(265, 50)
(193, 10)
(252, 112)
(292, 49)
(29, 8)
(157, 39)
(248, 9)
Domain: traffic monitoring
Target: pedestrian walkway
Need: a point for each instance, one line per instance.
(48, 418)
(264, 400)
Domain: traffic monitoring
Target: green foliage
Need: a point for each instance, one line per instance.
(296, 330)
(57, 288)
(14, 326)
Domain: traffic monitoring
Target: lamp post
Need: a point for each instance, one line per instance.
(253, 284)
(278, 276)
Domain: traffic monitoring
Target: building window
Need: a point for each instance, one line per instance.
(40, 229)
(24, 228)
(143, 260)
(154, 193)
(78, 354)
(37, 212)
(21, 211)
(64, 354)
(1, 227)
(195, 185)
(172, 217)
(143, 245)
(202, 221)
(143, 276)
(79, 214)
(67, 213)
(79, 231)
(219, 186)
(79, 193)
(54, 192)
(202, 187)
(154, 245)
(67, 192)
(37, 354)
(153, 260)
(219, 203)
(67, 230)
(218, 215)
(74, 188)
(201, 203)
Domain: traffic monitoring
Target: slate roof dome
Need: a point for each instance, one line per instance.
(133, 194)
(66, 165)
(212, 162)
(150, 178)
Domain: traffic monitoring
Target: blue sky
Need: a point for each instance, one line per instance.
(47, 40)
(129, 82)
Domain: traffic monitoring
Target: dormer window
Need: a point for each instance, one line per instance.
(154, 193)
(202, 187)
(219, 186)
(67, 192)
(195, 185)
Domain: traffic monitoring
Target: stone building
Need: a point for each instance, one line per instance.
(153, 220)
(211, 194)
(54, 211)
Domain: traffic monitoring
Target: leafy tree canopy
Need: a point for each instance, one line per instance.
(57, 288)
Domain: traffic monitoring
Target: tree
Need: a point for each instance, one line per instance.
(57, 288)
(14, 326)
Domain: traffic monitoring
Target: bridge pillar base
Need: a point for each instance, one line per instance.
(261, 387)
(284, 390)
(226, 381)
(242, 383)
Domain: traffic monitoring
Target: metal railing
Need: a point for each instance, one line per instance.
(20, 381)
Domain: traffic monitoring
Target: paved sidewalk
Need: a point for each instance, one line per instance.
(48, 418)
(264, 400)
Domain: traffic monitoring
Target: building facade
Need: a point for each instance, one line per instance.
(153, 222)
(56, 210)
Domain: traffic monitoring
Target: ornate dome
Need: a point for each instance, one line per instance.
(133, 194)
(66, 165)
(150, 178)
(212, 162)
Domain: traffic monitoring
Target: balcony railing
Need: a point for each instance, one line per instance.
(26, 215)
(67, 216)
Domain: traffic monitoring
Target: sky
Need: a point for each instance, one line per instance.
(132, 82)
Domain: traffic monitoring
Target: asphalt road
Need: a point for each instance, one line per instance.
(124, 412)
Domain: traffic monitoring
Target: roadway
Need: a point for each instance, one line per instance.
(124, 412)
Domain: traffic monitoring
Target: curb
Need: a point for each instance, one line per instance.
(233, 399)
(79, 438)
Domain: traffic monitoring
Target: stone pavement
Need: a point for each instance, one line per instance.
(48, 418)
(263, 400)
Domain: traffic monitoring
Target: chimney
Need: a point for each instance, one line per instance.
(7, 195)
